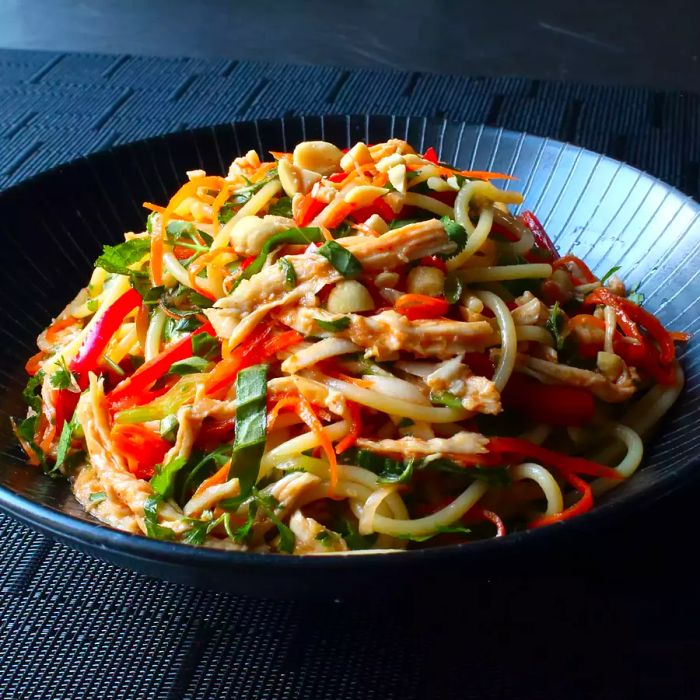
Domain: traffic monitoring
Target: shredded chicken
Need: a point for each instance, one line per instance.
(388, 332)
(530, 311)
(236, 315)
(477, 393)
(312, 537)
(460, 443)
(604, 389)
(208, 498)
(120, 485)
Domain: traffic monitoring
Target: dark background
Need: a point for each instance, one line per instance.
(622, 625)
(633, 42)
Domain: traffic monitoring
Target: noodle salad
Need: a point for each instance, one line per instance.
(344, 350)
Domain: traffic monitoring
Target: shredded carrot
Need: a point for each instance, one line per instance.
(263, 170)
(189, 189)
(334, 214)
(583, 505)
(57, 326)
(303, 408)
(326, 233)
(218, 477)
(356, 426)
(34, 362)
(200, 263)
(380, 179)
(679, 336)
(218, 202)
(278, 155)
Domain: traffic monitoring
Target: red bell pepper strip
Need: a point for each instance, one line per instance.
(89, 354)
(34, 362)
(542, 240)
(515, 447)
(548, 403)
(378, 207)
(337, 177)
(134, 389)
(140, 447)
(477, 514)
(630, 314)
(583, 504)
(431, 155)
(587, 277)
(355, 428)
(308, 209)
(417, 306)
(100, 334)
(433, 261)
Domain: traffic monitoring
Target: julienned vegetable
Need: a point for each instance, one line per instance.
(305, 364)
(248, 447)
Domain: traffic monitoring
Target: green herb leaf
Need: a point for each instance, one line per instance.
(62, 378)
(152, 295)
(290, 276)
(495, 476)
(119, 258)
(150, 517)
(251, 421)
(242, 196)
(441, 530)
(205, 464)
(338, 324)
(456, 233)
(29, 393)
(282, 207)
(205, 345)
(163, 481)
(268, 504)
(341, 259)
(609, 274)
(453, 288)
(97, 497)
(555, 324)
(388, 471)
(64, 441)
(445, 398)
(189, 365)
(352, 537)
(405, 423)
(197, 534)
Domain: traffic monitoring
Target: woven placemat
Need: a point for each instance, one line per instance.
(73, 627)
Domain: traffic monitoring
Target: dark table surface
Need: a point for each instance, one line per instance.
(633, 42)
(72, 627)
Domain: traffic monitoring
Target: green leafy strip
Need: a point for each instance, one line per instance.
(453, 288)
(242, 196)
(266, 505)
(163, 481)
(206, 346)
(290, 276)
(251, 421)
(97, 497)
(190, 365)
(32, 392)
(298, 236)
(282, 207)
(440, 530)
(445, 398)
(150, 517)
(339, 324)
(341, 259)
(555, 325)
(609, 274)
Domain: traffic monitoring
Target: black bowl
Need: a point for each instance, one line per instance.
(600, 209)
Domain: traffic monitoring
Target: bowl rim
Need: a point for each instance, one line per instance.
(96, 534)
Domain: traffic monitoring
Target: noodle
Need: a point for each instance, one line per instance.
(283, 386)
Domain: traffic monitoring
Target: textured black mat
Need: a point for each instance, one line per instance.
(73, 627)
